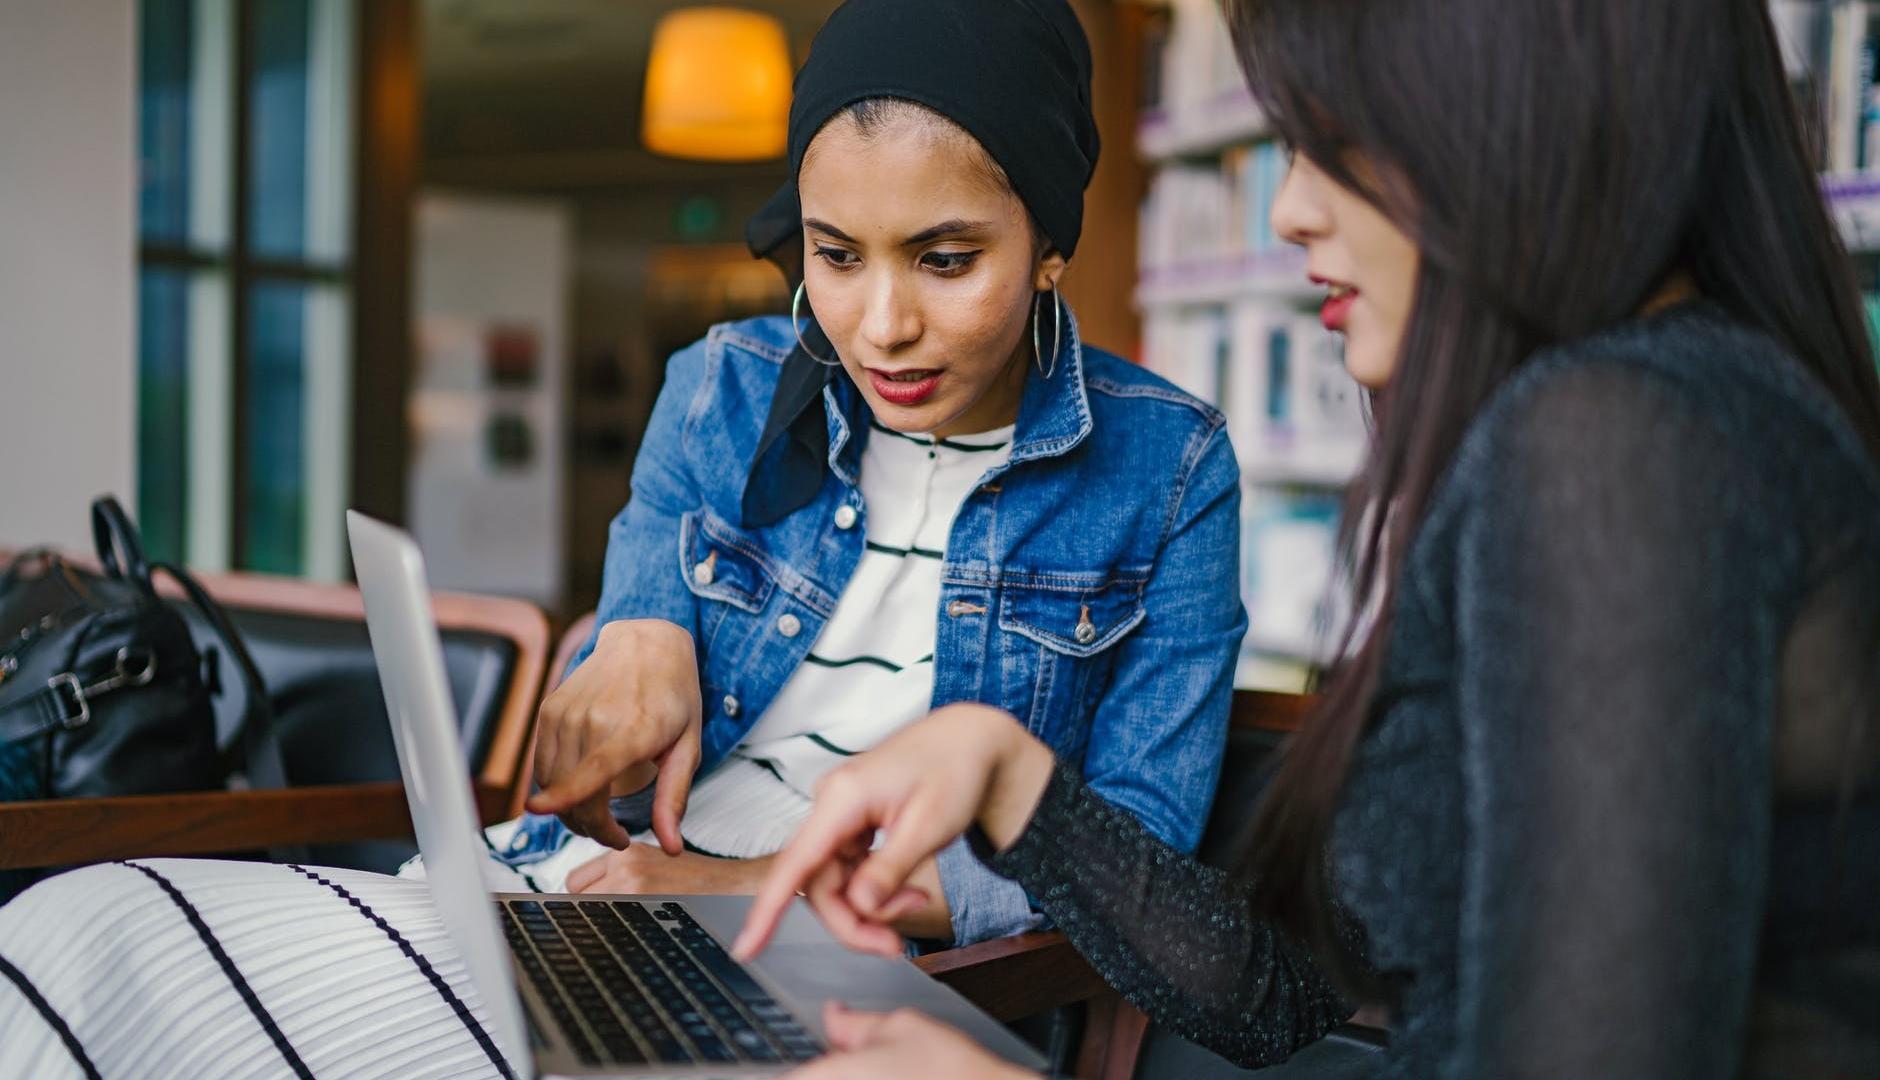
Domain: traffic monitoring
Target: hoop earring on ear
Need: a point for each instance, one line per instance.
(1057, 331)
(796, 324)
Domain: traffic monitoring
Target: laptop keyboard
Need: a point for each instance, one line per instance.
(634, 984)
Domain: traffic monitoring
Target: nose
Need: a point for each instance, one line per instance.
(891, 320)
(1299, 216)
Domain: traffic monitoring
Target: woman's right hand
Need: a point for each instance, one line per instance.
(632, 703)
(922, 788)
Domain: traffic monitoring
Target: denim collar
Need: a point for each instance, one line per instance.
(798, 448)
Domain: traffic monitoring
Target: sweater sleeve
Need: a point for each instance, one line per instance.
(1174, 936)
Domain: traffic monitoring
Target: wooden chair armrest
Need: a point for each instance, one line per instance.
(62, 832)
(1265, 710)
(1017, 976)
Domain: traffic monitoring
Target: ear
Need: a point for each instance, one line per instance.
(1050, 271)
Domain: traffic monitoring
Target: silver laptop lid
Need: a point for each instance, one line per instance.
(410, 660)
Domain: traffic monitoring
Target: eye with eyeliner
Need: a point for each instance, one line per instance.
(949, 263)
(837, 258)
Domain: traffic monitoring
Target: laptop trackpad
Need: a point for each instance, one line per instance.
(814, 974)
(809, 968)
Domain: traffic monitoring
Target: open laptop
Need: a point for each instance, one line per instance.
(603, 985)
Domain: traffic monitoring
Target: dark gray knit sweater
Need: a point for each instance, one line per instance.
(1598, 826)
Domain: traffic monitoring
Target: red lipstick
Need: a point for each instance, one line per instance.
(1336, 309)
(904, 388)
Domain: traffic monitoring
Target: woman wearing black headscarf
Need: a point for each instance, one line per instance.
(920, 490)
(1010, 479)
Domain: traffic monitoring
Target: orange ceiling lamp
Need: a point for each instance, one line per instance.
(718, 86)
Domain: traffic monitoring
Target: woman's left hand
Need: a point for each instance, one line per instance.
(645, 868)
(903, 1044)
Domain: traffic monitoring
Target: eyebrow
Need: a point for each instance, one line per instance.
(951, 227)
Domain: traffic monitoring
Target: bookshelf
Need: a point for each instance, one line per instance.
(1224, 119)
(1227, 312)
(1277, 274)
(1855, 200)
(1228, 315)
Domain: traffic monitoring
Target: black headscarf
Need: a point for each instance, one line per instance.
(1015, 74)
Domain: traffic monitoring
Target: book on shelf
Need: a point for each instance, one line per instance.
(1214, 213)
(1295, 419)
(1295, 390)
(1850, 88)
(1801, 29)
(1293, 413)
(1288, 551)
(1831, 54)
(1197, 67)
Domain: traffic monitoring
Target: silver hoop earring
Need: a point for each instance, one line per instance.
(796, 324)
(1057, 331)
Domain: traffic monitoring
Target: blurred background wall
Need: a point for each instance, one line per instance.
(68, 414)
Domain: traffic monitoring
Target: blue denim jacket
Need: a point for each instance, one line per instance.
(1090, 585)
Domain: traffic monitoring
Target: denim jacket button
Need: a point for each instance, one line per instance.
(789, 626)
(845, 517)
(706, 572)
(1086, 631)
(731, 706)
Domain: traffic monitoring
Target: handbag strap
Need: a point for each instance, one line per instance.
(120, 548)
(62, 704)
(66, 702)
(261, 745)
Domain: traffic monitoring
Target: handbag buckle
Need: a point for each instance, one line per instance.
(134, 667)
(68, 682)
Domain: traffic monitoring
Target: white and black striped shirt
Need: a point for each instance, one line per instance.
(870, 672)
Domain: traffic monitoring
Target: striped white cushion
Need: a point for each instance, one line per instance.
(195, 968)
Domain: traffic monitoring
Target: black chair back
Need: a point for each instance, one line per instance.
(331, 710)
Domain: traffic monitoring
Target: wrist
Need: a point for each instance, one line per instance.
(1021, 770)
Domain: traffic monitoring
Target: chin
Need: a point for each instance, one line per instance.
(908, 419)
(1371, 370)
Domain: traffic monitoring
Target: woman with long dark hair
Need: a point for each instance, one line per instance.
(1592, 790)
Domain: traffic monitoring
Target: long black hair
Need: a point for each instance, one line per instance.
(1556, 161)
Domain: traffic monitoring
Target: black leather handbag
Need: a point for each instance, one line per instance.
(103, 691)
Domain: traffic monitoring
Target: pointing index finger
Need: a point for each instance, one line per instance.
(815, 844)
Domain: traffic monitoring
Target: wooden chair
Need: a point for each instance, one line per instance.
(64, 832)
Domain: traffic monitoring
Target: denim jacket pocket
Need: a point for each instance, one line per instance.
(1077, 615)
(1060, 633)
(717, 562)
